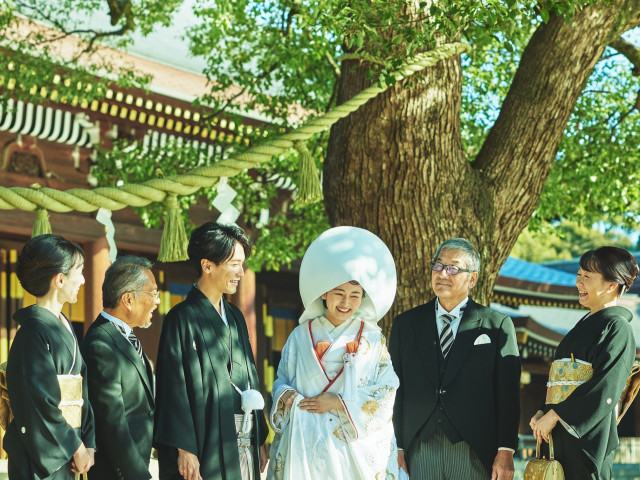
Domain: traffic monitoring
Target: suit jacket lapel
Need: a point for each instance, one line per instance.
(424, 324)
(467, 333)
(128, 351)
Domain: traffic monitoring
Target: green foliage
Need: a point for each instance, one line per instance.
(36, 63)
(285, 55)
(288, 53)
(564, 241)
(595, 176)
(282, 240)
(596, 173)
(488, 72)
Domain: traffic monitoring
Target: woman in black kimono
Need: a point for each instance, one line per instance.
(584, 423)
(39, 442)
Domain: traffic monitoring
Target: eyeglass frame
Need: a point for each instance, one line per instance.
(155, 294)
(447, 268)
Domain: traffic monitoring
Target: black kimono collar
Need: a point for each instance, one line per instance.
(611, 312)
(34, 312)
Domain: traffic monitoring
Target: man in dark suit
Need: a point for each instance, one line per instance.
(457, 410)
(120, 378)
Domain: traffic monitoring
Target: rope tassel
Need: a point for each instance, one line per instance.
(309, 190)
(173, 246)
(42, 224)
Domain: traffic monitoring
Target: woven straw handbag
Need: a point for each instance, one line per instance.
(542, 469)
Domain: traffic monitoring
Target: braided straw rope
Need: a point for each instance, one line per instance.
(157, 189)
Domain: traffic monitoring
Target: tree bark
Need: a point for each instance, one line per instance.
(397, 166)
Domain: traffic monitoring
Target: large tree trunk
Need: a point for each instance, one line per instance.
(397, 167)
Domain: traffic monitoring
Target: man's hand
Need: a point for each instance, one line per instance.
(83, 459)
(544, 425)
(402, 463)
(188, 465)
(322, 403)
(264, 457)
(503, 468)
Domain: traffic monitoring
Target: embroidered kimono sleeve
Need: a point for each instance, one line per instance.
(595, 399)
(179, 378)
(34, 393)
(280, 413)
(368, 403)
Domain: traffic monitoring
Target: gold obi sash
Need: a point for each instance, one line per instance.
(71, 399)
(564, 377)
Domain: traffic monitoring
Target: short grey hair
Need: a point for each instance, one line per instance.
(464, 246)
(126, 274)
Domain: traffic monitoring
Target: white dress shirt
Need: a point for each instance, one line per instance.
(457, 312)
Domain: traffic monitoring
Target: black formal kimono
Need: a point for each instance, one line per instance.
(39, 442)
(121, 394)
(605, 340)
(196, 402)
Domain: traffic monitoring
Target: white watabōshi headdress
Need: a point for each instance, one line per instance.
(342, 254)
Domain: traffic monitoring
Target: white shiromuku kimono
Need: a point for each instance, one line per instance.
(356, 444)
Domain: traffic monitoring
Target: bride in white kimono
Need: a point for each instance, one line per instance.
(333, 398)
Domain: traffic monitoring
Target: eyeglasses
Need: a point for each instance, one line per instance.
(450, 269)
(155, 294)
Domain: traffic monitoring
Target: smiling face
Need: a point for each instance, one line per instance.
(342, 302)
(144, 302)
(594, 291)
(224, 278)
(452, 289)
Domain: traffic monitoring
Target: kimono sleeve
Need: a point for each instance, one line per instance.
(178, 377)
(280, 413)
(595, 399)
(34, 394)
(88, 418)
(368, 408)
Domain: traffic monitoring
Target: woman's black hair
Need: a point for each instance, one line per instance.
(614, 264)
(42, 258)
(216, 242)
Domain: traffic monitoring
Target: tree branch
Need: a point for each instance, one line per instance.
(516, 158)
(95, 35)
(629, 50)
(635, 106)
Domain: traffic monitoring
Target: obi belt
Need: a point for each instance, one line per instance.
(71, 399)
(565, 376)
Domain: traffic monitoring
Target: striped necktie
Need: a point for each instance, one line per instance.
(446, 335)
(133, 340)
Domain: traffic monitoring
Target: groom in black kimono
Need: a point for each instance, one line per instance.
(204, 358)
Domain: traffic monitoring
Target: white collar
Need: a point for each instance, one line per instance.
(117, 321)
(455, 312)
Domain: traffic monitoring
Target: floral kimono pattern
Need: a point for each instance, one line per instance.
(357, 443)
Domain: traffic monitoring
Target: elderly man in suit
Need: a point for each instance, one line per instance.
(457, 410)
(119, 374)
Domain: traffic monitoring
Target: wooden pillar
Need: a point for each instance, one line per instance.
(245, 300)
(96, 264)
